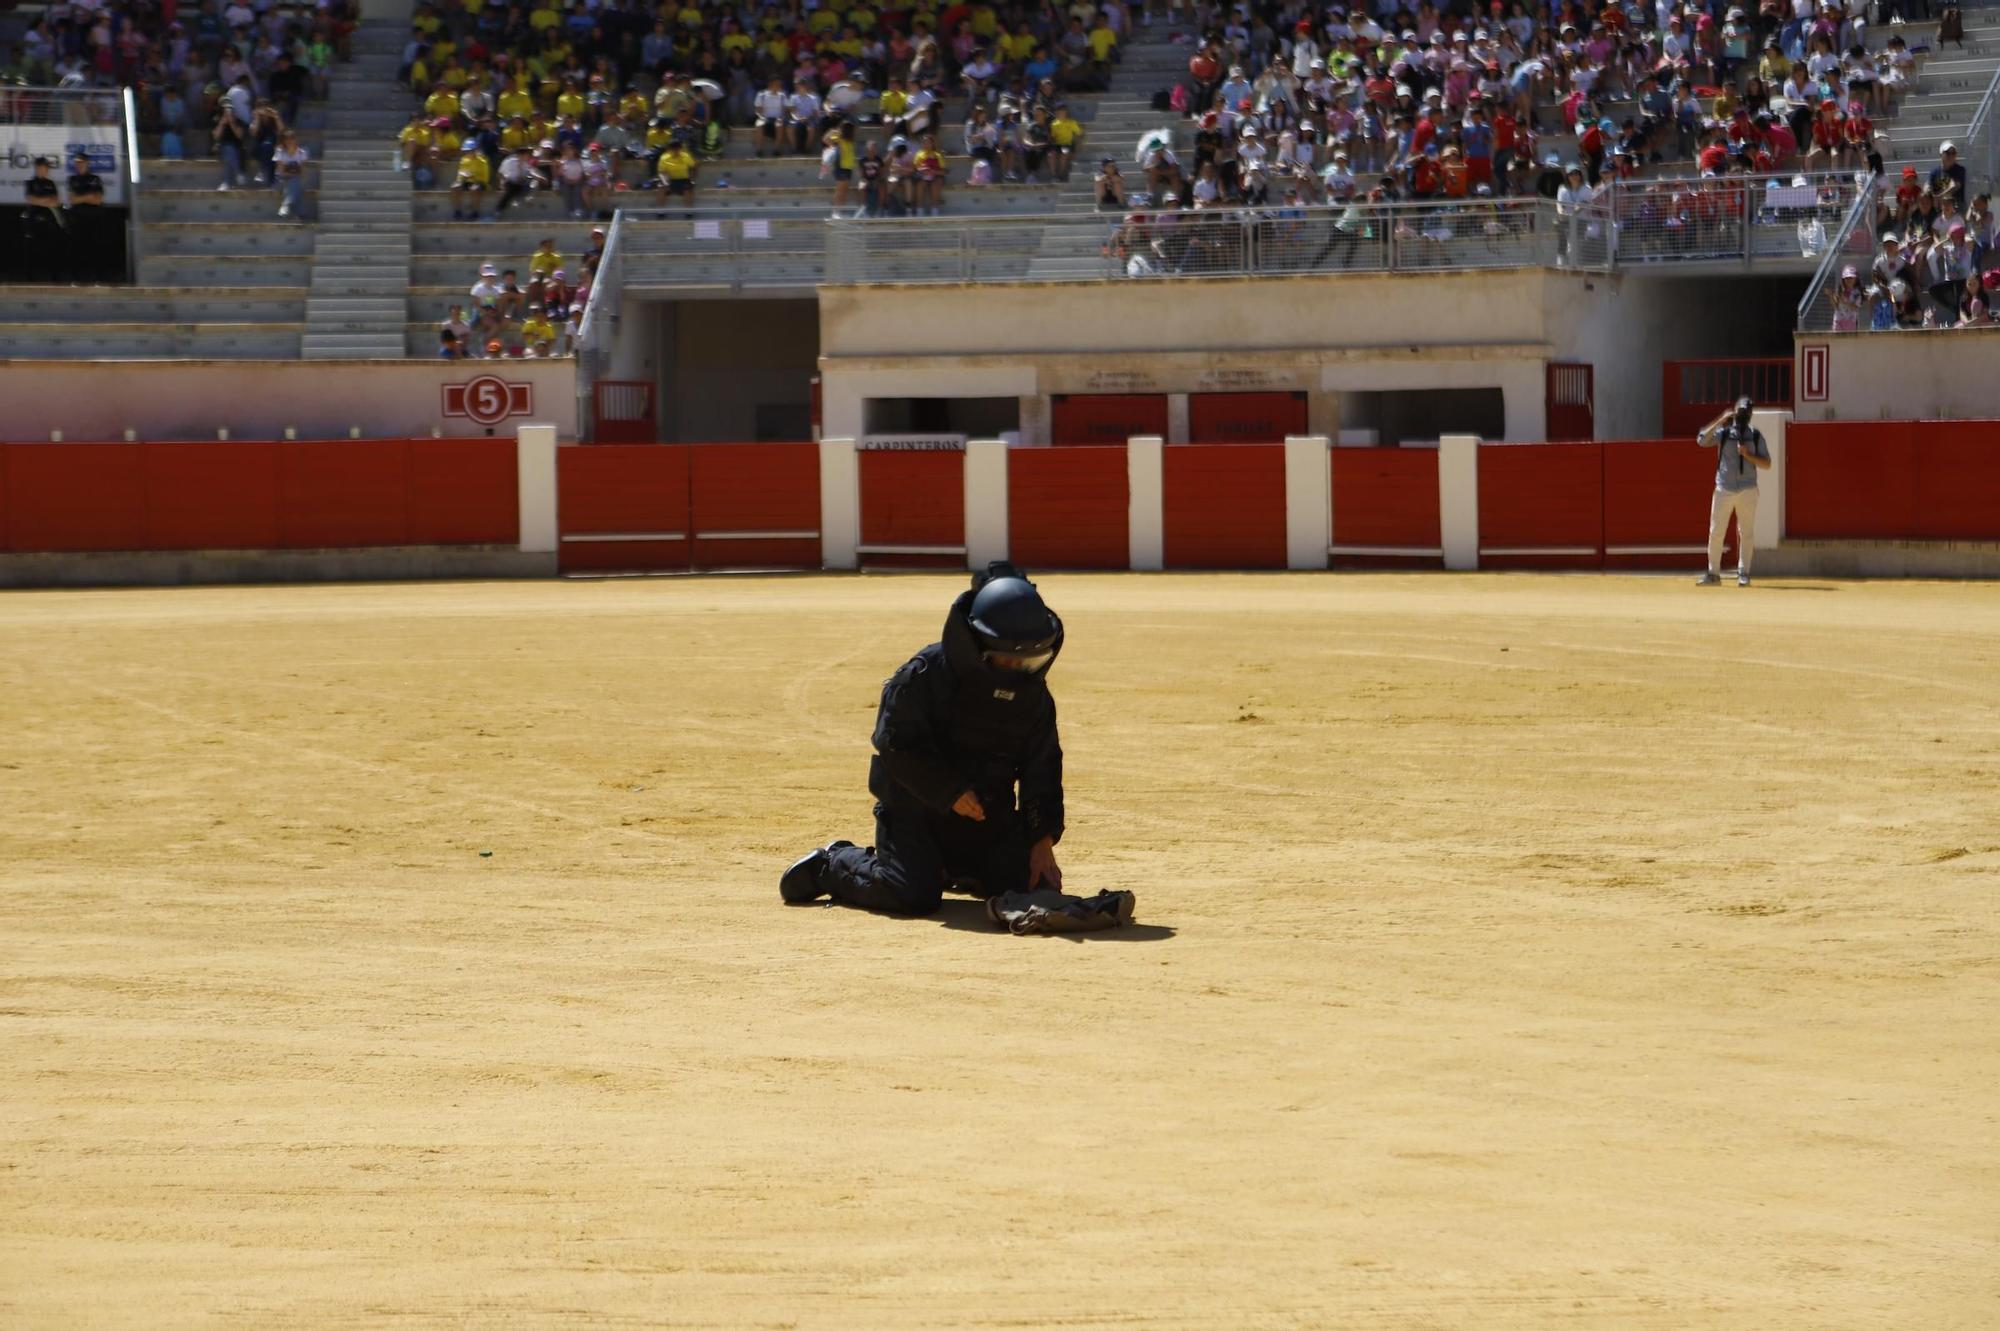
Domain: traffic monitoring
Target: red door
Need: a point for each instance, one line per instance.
(1106, 418)
(1570, 394)
(1245, 418)
(624, 412)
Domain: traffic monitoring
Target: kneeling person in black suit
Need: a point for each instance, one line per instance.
(962, 725)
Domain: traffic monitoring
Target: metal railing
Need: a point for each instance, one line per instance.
(132, 223)
(1854, 240)
(1980, 149)
(597, 331)
(1743, 221)
(1736, 219)
(1221, 242)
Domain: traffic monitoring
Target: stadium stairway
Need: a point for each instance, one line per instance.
(359, 281)
(1950, 82)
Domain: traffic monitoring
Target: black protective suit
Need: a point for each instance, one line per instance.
(950, 723)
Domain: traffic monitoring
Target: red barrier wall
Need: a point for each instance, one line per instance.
(627, 490)
(1243, 418)
(1541, 497)
(220, 496)
(736, 488)
(1893, 480)
(261, 495)
(1386, 497)
(1106, 418)
(1223, 505)
(76, 497)
(912, 498)
(1656, 493)
(1957, 481)
(1069, 507)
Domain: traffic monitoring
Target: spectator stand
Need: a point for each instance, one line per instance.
(1859, 286)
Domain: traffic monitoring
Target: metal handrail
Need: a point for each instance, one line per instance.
(133, 249)
(1982, 137)
(1861, 213)
(600, 319)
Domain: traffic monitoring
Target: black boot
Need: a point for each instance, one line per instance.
(800, 883)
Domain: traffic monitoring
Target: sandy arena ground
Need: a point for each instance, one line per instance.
(1517, 952)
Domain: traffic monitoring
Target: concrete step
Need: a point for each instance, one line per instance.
(225, 270)
(329, 288)
(273, 237)
(194, 206)
(344, 211)
(154, 304)
(354, 307)
(351, 346)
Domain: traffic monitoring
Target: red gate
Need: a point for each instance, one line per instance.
(1695, 392)
(623, 412)
(1568, 403)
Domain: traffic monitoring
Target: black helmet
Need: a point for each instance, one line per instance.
(1014, 630)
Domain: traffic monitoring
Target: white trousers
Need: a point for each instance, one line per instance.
(1743, 503)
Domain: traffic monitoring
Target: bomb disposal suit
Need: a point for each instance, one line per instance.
(967, 772)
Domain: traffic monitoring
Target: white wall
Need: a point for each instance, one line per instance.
(1911, 375)
(100, 400)
(1321, 335)
(1298, 313)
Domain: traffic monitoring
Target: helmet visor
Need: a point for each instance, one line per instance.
(1028, 662)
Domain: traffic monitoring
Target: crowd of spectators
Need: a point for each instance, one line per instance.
(592, 102)
(506, 317)
(227, 79)
(1454, 103)
(1936, 265)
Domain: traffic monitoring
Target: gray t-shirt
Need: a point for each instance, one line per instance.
(1732, 471)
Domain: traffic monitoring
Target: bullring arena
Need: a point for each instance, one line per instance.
(467, 471)
(1514, 950)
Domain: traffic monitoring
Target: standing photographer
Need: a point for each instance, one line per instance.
(1742, 454)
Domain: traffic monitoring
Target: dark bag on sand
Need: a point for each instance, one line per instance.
(1050, 912)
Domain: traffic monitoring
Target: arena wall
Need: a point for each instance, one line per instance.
(1913, 374)
(1861, 498)
(173, 400)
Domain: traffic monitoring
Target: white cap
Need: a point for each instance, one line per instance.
(1944, 148)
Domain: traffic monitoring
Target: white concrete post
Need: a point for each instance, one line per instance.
(1771, 485)
(1145, 472)
(535, 472)
(1308, 501)
(985, 502)
(1458, 500)
(839, 504)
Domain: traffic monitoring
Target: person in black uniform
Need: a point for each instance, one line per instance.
(88, 261)
(965, 722)
(41, 227)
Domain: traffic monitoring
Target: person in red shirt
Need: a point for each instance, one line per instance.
(1423, 135)
(1908, 192)
(1715, 156)
(1858, 136)
(1590, 144)
(1778, 141)
(1425, 174)
(1506, 141)
(1827, 130)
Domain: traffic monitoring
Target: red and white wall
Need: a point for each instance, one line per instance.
(522, 506)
